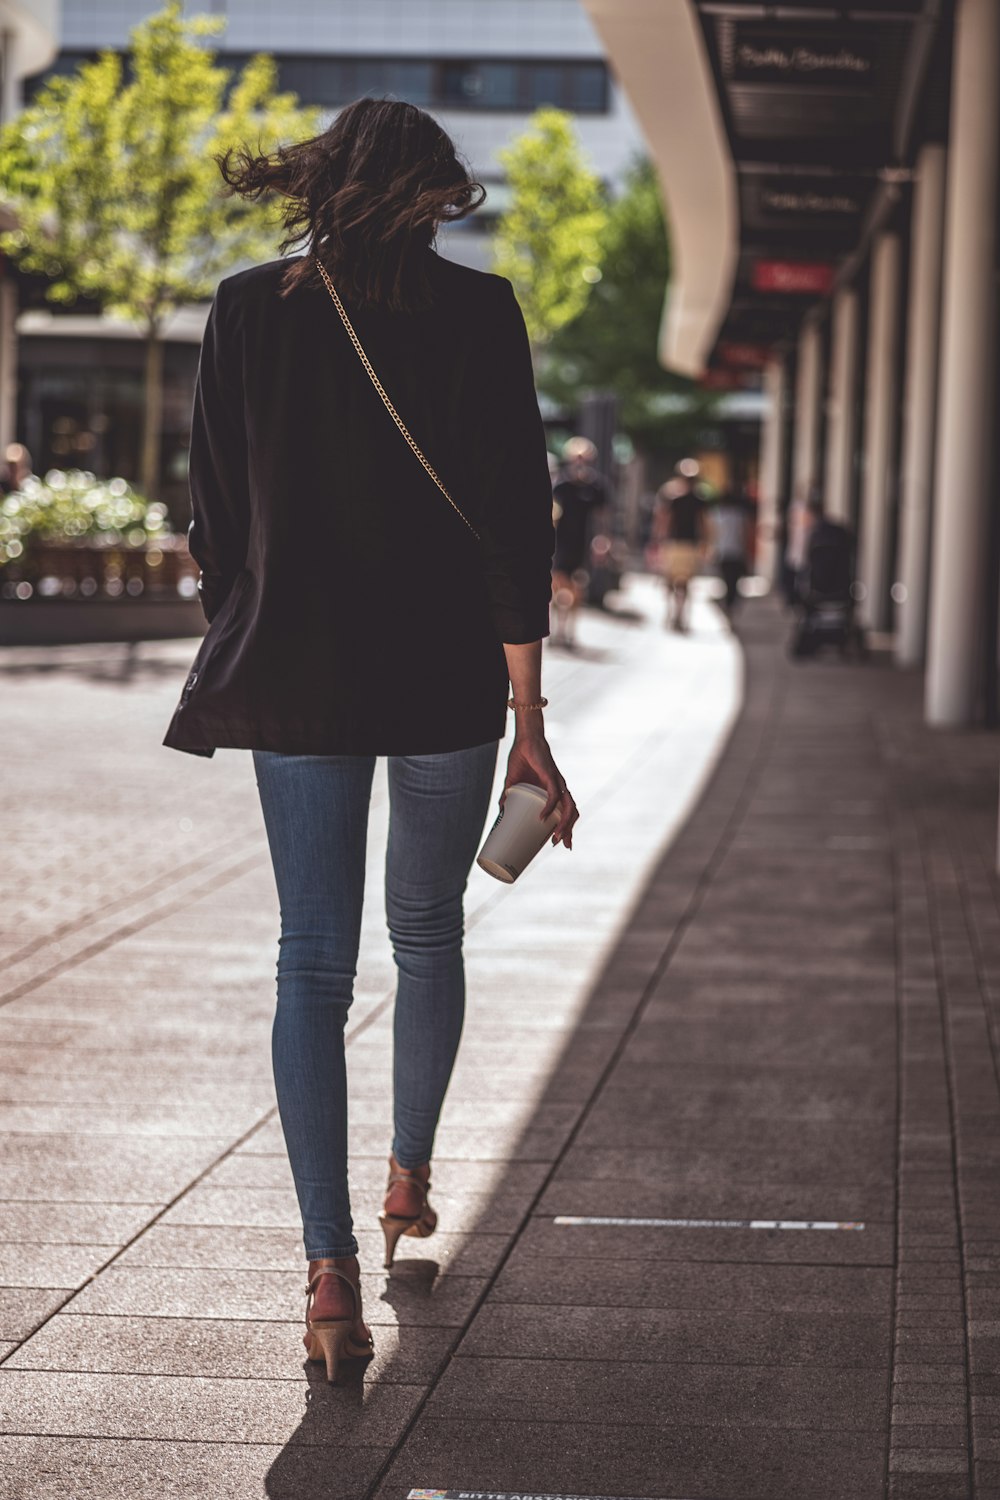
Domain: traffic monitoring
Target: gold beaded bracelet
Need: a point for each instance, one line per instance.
(542, 703)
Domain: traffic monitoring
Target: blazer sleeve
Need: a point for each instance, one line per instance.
(220, 495)
(516, 526)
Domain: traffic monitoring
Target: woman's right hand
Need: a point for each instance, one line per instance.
(531, 760)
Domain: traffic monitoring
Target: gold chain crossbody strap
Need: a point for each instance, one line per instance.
(394, 414)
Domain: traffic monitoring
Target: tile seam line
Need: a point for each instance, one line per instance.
(141, 920)
(950, 1086)
(899, 1061)
(764, 733)
(151, 888)
(136, 924)
(972, 936)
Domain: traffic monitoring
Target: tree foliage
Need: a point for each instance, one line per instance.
(612, 343)
(111, 174)
(548, 242)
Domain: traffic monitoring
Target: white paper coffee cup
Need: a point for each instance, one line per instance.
(518, 833)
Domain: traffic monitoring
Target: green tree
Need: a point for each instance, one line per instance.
(548, 242)
(612, 343)
(111, 174)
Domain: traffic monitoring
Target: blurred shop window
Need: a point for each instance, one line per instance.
(482, 85)
(524, 85)
(80, 400)
(501, 84)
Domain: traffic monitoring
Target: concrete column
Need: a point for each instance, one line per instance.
(842, 424)
(805, 446)
(922, 346)
(8, 361)
(771, 469)
(880, 427)
(965, 382)
(10, 83)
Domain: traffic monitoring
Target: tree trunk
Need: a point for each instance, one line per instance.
(152, 416)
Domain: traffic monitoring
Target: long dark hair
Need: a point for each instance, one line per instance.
(366, 196)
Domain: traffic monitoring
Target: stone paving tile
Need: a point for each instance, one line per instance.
(47, 1468)
(198, 1409)
(452, 1179)
(700, 1195)
(707, 1093)
(41, 1265)
(73, 1223)
(280, 1249)
(140, 1155)
(411, 1294)
(619, 1391)
(682, 1335)
(731, 1152)
(222, 1348)
(143, 1093)
(744, 1463)
(22, 1308)
(276, 1208)
(106, 1182)
(675, 1284)
(145, 1118)
(542, 1236)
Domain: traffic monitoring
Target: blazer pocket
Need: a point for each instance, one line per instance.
(213, 635)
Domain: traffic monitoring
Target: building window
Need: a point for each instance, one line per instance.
(507, 85)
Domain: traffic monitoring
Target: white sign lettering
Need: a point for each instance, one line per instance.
(800, 59)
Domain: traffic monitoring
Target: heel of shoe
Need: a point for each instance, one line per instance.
(329, 1342)
(393, 1229)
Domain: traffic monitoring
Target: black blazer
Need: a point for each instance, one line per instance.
(350, 610)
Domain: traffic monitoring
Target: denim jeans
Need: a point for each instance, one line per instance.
(316, 815)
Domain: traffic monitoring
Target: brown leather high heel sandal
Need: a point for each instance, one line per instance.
(419, 1224)
(332, 1339)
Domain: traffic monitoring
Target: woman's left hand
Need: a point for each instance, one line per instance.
(531, 760)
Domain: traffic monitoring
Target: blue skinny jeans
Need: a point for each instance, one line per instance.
(316, 816)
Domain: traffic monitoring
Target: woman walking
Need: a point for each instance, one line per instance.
(372, 518)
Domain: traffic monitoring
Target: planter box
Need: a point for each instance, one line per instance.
(59, 593)
(64, 622)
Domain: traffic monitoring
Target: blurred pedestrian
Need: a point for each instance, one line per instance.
(730, 533)
(16, 467)
(297, 458)
(679, 529)
(579, 492)
(798, 524)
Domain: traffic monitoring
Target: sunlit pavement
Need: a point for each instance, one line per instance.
(142, 1161)
(718, 1175)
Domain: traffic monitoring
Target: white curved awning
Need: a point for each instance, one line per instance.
(657, 50)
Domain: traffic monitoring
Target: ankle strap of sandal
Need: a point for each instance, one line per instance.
(330, 1271)
(403, 1175)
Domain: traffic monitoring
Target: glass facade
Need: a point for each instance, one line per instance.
(507, 85)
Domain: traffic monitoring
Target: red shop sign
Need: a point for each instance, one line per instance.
(749, 356)
(792, 276)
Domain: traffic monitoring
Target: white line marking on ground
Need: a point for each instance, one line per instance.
(575, 1219)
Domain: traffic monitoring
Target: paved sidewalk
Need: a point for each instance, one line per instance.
(141, 1161)
(776, 1039)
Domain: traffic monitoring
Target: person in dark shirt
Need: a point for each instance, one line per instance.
(578, 494)
(312, 502)
(679, 527)
(730, 539)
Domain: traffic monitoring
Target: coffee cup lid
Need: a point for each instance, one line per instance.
(529, 786)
